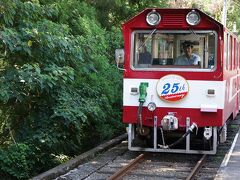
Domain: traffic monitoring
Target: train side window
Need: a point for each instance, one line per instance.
(226, 50)
(237, 62)
(236, 54)
(230, 53)
(233, 55)
(210, 54)
(239, 55)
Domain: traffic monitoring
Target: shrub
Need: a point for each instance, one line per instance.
(17, 161)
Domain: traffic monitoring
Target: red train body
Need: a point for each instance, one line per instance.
(164, 101)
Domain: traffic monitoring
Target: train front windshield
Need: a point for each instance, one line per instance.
(158, 50)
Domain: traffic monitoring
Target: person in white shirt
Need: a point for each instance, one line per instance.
(188, 58)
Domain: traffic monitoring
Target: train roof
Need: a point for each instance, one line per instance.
(173, 19)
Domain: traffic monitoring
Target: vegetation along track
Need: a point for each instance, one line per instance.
(153, 166)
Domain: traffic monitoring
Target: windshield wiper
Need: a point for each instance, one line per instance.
(150, 35)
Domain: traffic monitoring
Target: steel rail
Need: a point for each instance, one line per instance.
(197, 167)
(125, 169)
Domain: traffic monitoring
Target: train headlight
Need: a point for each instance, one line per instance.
(151, 106)
(153, 18)
(193, 18)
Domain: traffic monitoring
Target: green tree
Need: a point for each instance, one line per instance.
(57, 87)
(114, 13)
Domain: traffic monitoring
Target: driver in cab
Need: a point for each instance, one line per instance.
(188, 58)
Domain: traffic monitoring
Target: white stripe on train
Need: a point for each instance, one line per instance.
(196, 97)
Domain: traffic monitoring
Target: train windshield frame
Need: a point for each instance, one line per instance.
(157, 50)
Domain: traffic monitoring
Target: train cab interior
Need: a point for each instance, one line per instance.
(158, 50)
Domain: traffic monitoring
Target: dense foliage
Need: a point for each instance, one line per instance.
(60, 93)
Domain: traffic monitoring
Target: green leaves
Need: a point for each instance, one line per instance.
(12, 41)
(8, 10)
(57, 87)
(15, 160)
(45, 79)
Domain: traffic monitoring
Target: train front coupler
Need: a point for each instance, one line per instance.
(189, 130)
(169, 122)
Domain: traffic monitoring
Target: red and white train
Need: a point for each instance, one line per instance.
(165, 102)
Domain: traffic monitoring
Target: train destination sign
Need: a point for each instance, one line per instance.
(172, 88)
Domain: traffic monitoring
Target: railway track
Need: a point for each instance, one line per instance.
(197, 168)
(152, 165)
(130, 165)
(124, 170)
